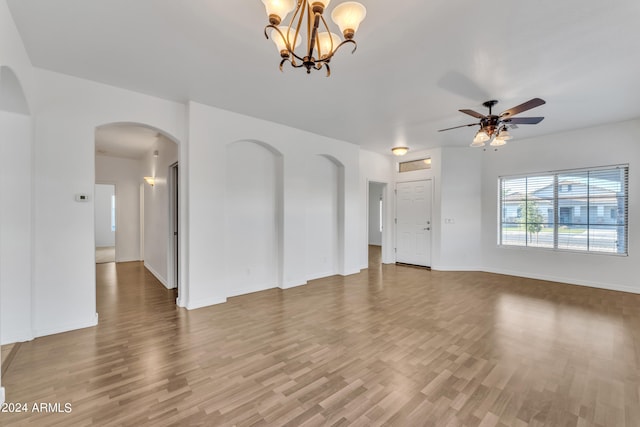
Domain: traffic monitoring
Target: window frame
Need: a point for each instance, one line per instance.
(558, 196)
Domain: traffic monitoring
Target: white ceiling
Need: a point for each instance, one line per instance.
(417, 62)
(130, 141)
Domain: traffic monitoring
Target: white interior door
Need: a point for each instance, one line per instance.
(413, 213)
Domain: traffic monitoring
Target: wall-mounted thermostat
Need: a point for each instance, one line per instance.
(82, 197)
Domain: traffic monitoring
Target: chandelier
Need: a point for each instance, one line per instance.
(320, 45)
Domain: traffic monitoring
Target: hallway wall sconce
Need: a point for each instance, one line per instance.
(150, 180)
(155, 153)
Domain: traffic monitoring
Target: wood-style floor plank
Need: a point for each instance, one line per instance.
(391, 346)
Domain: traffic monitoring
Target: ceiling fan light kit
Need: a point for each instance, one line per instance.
(495, 126)
(320, 46)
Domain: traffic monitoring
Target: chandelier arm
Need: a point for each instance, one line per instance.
(293, 18)
(314, 33)
(309, 33)
(326, 27)
(326, 64)
(355, 46)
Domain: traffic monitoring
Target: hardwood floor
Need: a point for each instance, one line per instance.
(392, 345)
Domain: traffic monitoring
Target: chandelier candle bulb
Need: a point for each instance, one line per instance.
(279, 38)
(348, 17)
(277, 10)
(327, 42)
(318, 6)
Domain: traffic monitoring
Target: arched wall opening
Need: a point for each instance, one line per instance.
(12, 97)
(254, 215)
(16, 211)
(325, 217)
(147, 220)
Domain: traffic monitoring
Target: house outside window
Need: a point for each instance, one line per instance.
(578, 210)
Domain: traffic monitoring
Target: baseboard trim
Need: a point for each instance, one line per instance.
(23, 336)
(66, 328)
(350, 272)
(455, 268)
(9, 358)
(565, 280)
(206, 302)
(157, 275)
(290, 285)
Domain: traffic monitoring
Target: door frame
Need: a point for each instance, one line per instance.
(115, 234)
(173, 248)
(385, 259)
(430, 243)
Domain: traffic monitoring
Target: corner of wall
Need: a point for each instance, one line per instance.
(157, 275)
(205, 302)
(293, 284)
(52, 330)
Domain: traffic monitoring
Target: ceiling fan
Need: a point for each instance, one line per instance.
(495, 126)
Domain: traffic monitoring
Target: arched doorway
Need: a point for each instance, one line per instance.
(141, 162)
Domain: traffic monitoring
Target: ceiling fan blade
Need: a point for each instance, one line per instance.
(461, 126)
(523, 120)
(473, 113)
(532, 103)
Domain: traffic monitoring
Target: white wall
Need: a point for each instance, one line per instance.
(102, 200)
(375, 196)
(158, 238)
(460, 209)
(125, 175)
(15, 226)
(252, 231)
(68, 110)
(15, 138)
(599, 146)
(323, 217)
(210, 131)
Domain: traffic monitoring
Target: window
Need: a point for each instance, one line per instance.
(578, 210)
(113, 213)
(415, 165)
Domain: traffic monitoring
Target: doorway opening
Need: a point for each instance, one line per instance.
(141, 161)
(105, 222)
(376, 220)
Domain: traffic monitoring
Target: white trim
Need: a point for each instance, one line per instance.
(13, 337)
(1, 395)
(565, 280)
(292, 284)
(316, 276)
(156, 275)
(67, 327)
(205, 303)
(350, 272)
(456, 268)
